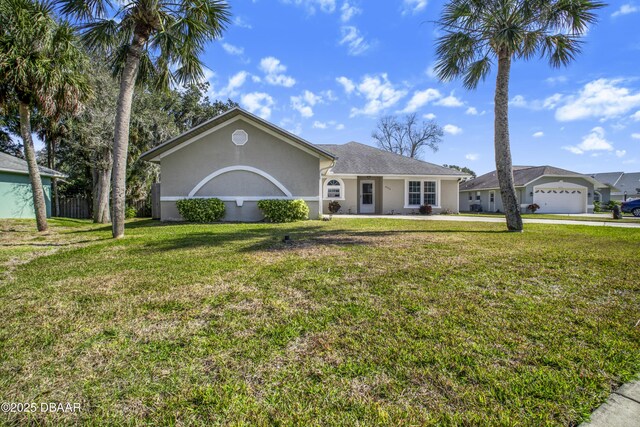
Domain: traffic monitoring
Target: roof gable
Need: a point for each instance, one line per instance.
(221, 120)
(355, 158)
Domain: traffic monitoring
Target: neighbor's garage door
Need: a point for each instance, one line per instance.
(561, 200)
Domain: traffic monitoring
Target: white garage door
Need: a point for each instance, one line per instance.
(561, 200)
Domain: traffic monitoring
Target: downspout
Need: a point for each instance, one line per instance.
(322, 171)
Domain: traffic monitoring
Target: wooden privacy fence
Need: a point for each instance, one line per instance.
(79, 207)
(74, 207)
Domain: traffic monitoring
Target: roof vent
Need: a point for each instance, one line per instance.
(239, 137)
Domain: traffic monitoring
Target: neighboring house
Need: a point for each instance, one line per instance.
(241, 159)
(16, 197)
(555, 190)
(620, 186)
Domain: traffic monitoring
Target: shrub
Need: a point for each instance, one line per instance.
(426, 209)
(597, 207)
(612, 204)
(201, 210)
(533, 207)
(130, 212)
(334, 206)
(276, 210)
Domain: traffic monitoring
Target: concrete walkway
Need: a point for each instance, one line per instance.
(594, 223)
(622, 409)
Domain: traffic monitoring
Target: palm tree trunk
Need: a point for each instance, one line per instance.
(121, 136)
(504, 167)
(101, 172)
(39, 203)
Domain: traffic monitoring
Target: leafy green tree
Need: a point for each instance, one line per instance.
(145, 40)
(462, 169)
(41, 67)
(478, 33)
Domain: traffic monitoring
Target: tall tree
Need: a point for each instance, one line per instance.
(145, 40)
(462, 169)
(41, 67)
(407, 136)
(478, 33)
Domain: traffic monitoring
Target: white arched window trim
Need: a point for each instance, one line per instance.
(262, 173)
(325, 190)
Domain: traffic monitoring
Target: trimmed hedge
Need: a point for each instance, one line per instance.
(201, 210)
(276, 210)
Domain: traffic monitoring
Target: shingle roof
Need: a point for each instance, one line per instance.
(608, 178)
(355, 158)
(629, 182)
(9, 163)
(522, 175)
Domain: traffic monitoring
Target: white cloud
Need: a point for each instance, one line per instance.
(355, 42)
(427, 96)
(635, 135)
(325, 125)
(518, 101)
(556, 80)
(413, 6)
(621, 153)
(626, 9)
(347, 84)
(274, 72)
(431, 71)
(429, 116)
(636, 116)
(380, 94)
(233, 50)
(234, 83)
(452, 129)
(292, 126)
(326, 6)
(593, 141)
(603, 99)
(472, 156)
(548, 103)
(241, 23)
(471, 111)
(259, 103)
(450, 101)
(421, 98)
(305, 102)
(539, 134)
(348, 11)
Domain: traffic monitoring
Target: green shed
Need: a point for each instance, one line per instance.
(16, 199)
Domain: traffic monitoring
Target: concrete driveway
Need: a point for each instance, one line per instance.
(473, 218)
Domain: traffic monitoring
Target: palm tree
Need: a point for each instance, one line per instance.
(479, 32)
(41, 67)
(147, 41)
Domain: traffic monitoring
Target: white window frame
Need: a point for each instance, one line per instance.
(422, 181)
(325, 189)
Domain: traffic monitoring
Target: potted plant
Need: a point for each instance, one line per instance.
(533, 207)
(334, 206)
(426, 210)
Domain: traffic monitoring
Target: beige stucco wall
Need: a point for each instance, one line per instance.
(390, 196)
(350, 202)
(297, 170)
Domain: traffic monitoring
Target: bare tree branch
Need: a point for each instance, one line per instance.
(407, 136)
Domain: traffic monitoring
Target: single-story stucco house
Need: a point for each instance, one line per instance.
(620, 186)
(554, 189)
(241, 158)
(16, 197)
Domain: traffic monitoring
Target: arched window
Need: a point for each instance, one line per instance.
(333, 189)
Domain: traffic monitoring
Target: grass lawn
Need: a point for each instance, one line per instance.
(357, 322)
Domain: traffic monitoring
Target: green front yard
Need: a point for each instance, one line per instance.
(356, 322)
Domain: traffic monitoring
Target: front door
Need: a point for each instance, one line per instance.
(367, 197)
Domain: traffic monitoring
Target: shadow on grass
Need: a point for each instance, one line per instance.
(268, 238)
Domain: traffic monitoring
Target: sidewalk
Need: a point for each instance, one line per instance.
(622, 409)
(594, 223)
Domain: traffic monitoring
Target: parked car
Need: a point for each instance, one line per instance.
(631, 206)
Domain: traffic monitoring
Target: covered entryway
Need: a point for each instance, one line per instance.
(560, 197)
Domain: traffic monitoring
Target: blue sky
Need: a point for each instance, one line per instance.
(328, 69)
